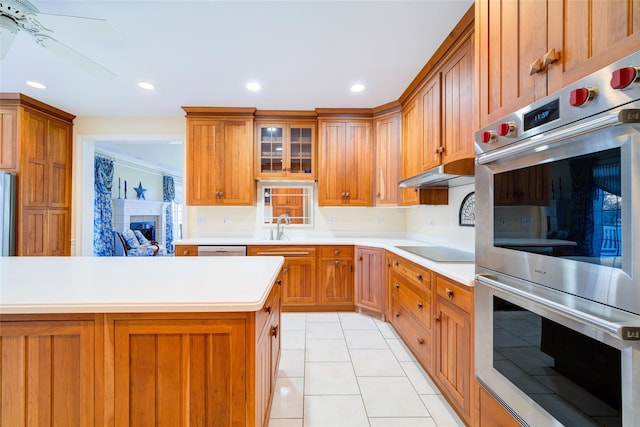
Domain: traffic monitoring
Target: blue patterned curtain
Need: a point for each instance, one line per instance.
(168, 194)
(102, 211)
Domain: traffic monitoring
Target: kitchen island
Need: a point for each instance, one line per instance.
(138, 341)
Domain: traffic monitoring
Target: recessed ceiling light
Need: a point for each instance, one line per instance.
(357, 87)
(146, 85)
(254, 87)
(36, 85)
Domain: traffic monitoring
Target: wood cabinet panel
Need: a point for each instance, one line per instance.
(180, 372)
(431, 124)
(186, 250)
(516, 36)
(34, 189)
(220, 156)
(59, 159)
(335, 276)
(9, 132)
(47, 373)
(387, 162)
(345, 158)
(411, 143)
(370, 279)
(492, 414)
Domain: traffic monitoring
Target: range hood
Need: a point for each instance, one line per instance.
(453, 174)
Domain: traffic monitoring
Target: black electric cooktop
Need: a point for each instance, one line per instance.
(439, 253)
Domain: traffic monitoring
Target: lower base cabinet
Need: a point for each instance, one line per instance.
(147, 369)
(370, 279)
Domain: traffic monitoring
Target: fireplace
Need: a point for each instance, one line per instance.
(147, 228)
(150, 217)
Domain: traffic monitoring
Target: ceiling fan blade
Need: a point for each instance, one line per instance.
(73, 56)
(73, 26)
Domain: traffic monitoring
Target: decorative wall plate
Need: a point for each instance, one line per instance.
(467, 215)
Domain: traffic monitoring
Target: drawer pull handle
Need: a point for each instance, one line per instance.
(336, 252)
(397, 314)
(420, 341)
(419, 306)
(419, 276)
(449, 292)
(274, 331)
(268, 309)
(397, 285)
(397, 264)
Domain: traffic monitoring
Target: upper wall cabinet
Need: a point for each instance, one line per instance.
(36, 142)
(285, 150)
(345, 159)
(438, 111)
(219, 156)
(387, 161)
(531, 48)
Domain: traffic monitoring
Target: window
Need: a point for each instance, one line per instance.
(293, 200)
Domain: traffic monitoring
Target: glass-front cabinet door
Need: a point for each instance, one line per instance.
(285, 150)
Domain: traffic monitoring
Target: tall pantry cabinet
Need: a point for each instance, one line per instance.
(36, 143)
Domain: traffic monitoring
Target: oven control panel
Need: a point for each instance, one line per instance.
(605, 90)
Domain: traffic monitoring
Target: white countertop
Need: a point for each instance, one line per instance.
(461, 272)
(135, 284)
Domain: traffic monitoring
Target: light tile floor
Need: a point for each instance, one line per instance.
(351, 370)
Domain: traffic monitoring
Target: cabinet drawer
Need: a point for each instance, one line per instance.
(458, 294)
(271, 307)
(415, 336)
(339, 252)
(282, 250)
(417, 274)
(186, 250)
(416, 303)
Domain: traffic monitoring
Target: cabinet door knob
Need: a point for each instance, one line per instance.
(397, 264)
(336, 262)
(268, 309)
(449, 292)
(397, 314)
(420, 341)
(419, 306)
(397, 285)
(437, 318)
(336, 252)
(274, 331)
(550, 57)
(360, 258)
(279, 282)
(536, 67)
(419, 277)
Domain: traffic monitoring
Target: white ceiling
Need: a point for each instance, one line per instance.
(304, 53)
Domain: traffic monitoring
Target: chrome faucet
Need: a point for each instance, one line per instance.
(279, 229)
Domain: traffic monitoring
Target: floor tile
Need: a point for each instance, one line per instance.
(400, 350)
(327, 351)
(293, 321)
(330, 378)
(386, 330)
(324, 330)
(288, 398)
(334, 411)
(291, 363)
(322, 317)
(441, 412)
(375, 363)
(364, 339)
(356, 321)
(293, 340)
(391, 397)
(283, 422)
(400, 422)
(419, 378)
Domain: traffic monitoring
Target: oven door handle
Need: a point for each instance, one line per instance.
(612, 328)
(534, 142)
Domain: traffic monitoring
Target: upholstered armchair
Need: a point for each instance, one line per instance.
(133, 243)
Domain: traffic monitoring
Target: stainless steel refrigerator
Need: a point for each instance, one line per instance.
(7, 213)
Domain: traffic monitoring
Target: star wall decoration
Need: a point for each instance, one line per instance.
(140, 191)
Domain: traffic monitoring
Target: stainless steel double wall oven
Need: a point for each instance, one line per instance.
(558, 254)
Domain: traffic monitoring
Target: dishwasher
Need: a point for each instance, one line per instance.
(222, 251)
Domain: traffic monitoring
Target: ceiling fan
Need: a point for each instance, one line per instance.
(21, 16)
